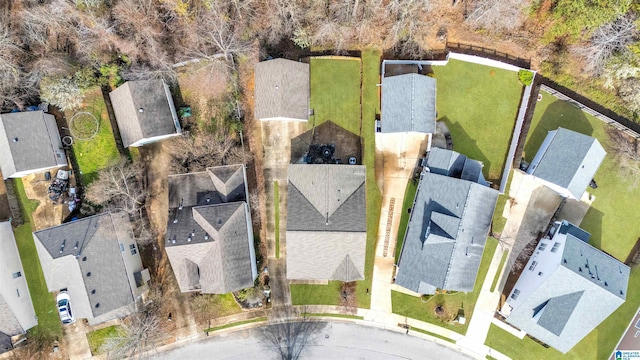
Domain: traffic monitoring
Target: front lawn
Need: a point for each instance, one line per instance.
(100, 151)
(599, 344)
(49, 326)
(414, 307)
(336, 95)
(479, 104)
(98, 338)
(612, 219)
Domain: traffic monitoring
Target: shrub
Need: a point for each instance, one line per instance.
(525, 77)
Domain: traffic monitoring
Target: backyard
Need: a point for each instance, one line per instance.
(49, 326)
(611, 220)
(479, 105)
(417, 308)
(100, 151)
(336, 94)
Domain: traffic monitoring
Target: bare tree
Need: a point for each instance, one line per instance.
(119, 187)
(409, 24)
(496, 14)
(289, 332)
(205, 150)
(608, 40)
(141, 331)
(625, 151)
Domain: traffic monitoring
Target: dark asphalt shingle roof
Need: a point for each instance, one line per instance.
(446, 234)
(408, 104)
(282, 89)
(29, 140)
(568, 159)
(453, 164)
(327, 201)
(157, 117)
(94, 243)
(209, 239)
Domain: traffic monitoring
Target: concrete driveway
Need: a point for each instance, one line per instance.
(276, 143)
(396, 158)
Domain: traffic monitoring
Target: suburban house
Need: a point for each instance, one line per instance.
(29, 143)
(282, 90)
(145, 112)
(408, 104)
(209, 239)
(16, 309)
(448, 226)
(567, 162)
(566, 289)
(96, 260)
(326, 222)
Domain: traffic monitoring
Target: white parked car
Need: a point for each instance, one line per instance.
(64, 308)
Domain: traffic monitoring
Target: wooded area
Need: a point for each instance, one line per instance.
(53, 49)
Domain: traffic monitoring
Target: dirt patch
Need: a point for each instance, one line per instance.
(346, 143)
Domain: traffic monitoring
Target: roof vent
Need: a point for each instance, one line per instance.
(193, 233)
(76, 246)
(189, 239)
(89, 273)
(206, 236)
(84, 258)
(15, 139)
(175, 221)
(93, 292)
(208, 199)
(219, 221)
(173, 241)
(141, 110)
(621, 292)
(97, 305)
(277, 87)
(62, 246)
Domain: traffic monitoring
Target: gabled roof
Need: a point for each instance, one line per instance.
(326, 222)
(453, 164)
(567, 289)
(85, 256)
(282, 90)
(144, 109)
(29, 140)
(408, 104)
(16, 309)
(568, 159)
(209, 235)
(446, 234)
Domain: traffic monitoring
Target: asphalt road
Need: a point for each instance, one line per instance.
(332, 341)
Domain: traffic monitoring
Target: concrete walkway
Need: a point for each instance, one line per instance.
(396, 158)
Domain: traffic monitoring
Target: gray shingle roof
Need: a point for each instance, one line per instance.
(86, 250)
(326, 222)
(157, 118)
(209, 235)
(569, 292)
(29, 140)
(16, 309)
(568, 159)
(446, 234)
(408, 104)
(453, 164)
(282, 89)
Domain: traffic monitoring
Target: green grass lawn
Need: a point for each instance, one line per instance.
(336, 95)
(612, 219)
(236, 324)
(99, 337)
(479, 104)
(49, 326)
(505, 255)
(409, 196)
(276, 204)
(100, 151)
(413, 307)
(597, 345)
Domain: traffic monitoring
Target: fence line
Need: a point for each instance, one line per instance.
(588, 110)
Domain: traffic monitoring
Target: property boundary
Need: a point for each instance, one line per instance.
(629, 127)
(483, 52)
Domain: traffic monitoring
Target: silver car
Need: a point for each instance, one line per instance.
(64, 308)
